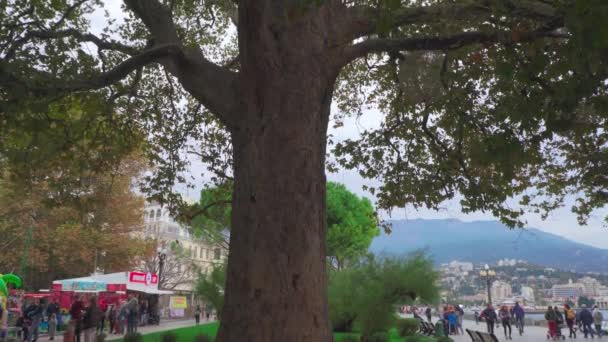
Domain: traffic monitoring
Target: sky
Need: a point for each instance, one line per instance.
(560, 222)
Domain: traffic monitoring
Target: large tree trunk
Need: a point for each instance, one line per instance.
(277, 283)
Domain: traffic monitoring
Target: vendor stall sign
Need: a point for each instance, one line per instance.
(143, 278)
(178, 302)
(70, 285)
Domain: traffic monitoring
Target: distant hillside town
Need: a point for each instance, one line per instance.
(517, 280)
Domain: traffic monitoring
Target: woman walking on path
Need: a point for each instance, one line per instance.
(598, 318)
(551, 318)
(505, 318)
(570, 318)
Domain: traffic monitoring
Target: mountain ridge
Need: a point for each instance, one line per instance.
(489, 241)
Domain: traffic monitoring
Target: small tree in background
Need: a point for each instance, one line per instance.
(352, 222)
(211, 287)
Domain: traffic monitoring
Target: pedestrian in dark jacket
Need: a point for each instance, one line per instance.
(90, 321)
(587, 320)
(34, 314)
(519, 314)
(489, 315)
(551, 318)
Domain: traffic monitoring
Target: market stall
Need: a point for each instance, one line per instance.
(110, 289)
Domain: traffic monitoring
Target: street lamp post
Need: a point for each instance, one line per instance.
(489, 276)
(162, 255)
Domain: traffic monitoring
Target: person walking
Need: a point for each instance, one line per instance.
(112, 318)
(476, 315)
(143, 312)
(132, 314)
(428, 313)
(460, 316)
(453, 321)
(91, 319)
(505, 319)
(519, 314)
(34, 314)
(598, 318)
(570, 316)
(103, 313)
(53, 309)
(551, 318)
(76, 318)
(489, 315)
(586, 319)
(197, 314)
(560, 320)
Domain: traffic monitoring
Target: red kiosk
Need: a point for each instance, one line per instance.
(109, 288)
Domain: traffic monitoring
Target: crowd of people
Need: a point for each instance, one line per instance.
(88, 318)
(589, 321)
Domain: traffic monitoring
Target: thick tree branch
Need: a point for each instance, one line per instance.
(365, 20)
(86, 37)
(46, 84)
(443, 43)
(211, 84)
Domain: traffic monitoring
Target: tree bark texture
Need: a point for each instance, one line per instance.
(277, 282)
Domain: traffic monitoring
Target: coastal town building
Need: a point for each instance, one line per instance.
(459, 267)
(500, 291)
(528, 293)
(568, 291)
(592, 286)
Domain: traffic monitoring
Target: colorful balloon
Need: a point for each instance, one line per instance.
(12, 279)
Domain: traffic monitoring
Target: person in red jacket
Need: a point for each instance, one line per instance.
(76, 317)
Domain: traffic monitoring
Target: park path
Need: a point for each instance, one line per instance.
(531, 333)
(163, 326)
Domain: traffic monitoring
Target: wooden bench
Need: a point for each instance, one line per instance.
(427, 328)
(478, 336)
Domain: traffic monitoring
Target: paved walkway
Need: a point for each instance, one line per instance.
(531, 333)
(164, 326)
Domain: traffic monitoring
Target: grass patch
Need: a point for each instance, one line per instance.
(185, 334)
(188, 334)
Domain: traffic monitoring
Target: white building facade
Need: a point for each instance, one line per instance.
(195, 255)
(568, 291)
(528, 293)
(592, 286)
(500, 291)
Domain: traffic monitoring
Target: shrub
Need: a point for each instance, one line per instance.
(202, 338)
(364, 295)
(133, 337)
(407, 326)
(349, 338)
(168, 336)
(377, 337)
(413, 338)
